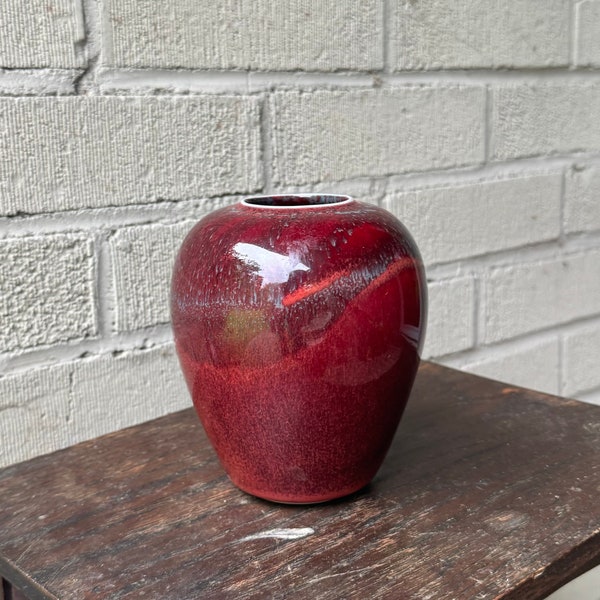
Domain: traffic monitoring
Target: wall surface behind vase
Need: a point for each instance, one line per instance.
(123, 122)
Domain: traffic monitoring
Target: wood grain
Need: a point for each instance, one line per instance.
(488, 491)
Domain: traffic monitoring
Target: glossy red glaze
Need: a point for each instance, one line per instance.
(298, 323)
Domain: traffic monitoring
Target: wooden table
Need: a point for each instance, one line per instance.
(489, 491)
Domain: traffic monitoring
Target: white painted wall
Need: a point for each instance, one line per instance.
(122, 123)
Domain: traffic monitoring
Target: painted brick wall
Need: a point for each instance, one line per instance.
(121, 124)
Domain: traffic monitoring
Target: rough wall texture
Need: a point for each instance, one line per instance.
(122, 123)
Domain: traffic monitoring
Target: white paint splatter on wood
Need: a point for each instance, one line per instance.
(295, 533)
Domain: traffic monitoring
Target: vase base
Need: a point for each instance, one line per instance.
(306, 500)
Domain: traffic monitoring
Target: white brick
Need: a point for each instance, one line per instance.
(582, 198)
(315, 35)
(335, 135)
(450, 326)
(460, 221)
(529, 120)
(464, 34)
(110, 393)
(40, 34)
(143, 259)
(65, 153)
(591, 398)
(54, 407)
(34, 413)
(46, 290)
(528, 297)
(588, 33)
(534, 367)
(581, 360)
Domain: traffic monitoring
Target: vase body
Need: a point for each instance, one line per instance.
(298, 324)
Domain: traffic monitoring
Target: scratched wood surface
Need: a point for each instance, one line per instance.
(488, 492)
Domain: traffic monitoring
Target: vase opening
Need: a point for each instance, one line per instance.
(296, 200)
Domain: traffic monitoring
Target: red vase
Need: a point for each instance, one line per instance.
(298, 322)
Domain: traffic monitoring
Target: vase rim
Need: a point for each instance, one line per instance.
(299, 201)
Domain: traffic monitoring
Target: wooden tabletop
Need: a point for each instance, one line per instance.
(488, 491)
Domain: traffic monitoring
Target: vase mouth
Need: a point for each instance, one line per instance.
(295, 201)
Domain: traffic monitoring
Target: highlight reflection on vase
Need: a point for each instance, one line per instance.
(298, 323)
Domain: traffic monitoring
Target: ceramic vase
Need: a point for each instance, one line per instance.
(298, 322)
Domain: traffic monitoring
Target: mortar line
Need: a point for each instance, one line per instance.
(34, 358)
(573, 33)
(561, 363)
(488, 124)
(382, 185)
(106, 218)
(138, 82)
(81, 41)
(221, 81)
(266, 143)
(86, 81)
(127, 81)
(104, 285)
(386, 41)
(561, 215)
(70, 395)
(477, 309)
(105, 43)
